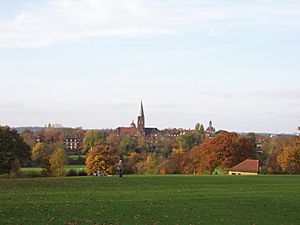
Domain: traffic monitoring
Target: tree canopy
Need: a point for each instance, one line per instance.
(289, 158)
(93, 138)
(13, 150)
(101, 158)
(224, 150)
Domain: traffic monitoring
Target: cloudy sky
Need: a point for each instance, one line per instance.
(90, 62)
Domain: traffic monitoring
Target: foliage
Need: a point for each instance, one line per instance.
(39, 152)
(272, 148)
(71, 173)
(28, 137)
(187, 141)
(224, 150)
(81, 173)
(131, 162)
(13, 150)
(127, 144)
(289, 158)
(199, 133)
(93, 138)
(57, 162)
(177, 163)
(101, 158)
(150, 165)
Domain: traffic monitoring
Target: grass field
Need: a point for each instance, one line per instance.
(170, 199)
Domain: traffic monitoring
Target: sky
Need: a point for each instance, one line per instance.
(89, 63)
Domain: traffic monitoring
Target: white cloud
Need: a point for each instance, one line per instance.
(70, 20)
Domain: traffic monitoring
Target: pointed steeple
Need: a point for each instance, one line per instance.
(141, 110)
(141, 120)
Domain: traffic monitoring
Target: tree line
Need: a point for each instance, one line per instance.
(189, 153)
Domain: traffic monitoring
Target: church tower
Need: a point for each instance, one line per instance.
(141, 120)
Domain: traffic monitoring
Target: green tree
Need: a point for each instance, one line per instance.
(127, 144)
(93, 138)
(57, 162)
(186, 141)
(13, 150)
(199, 133)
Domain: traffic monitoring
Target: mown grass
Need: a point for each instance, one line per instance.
(170, 199)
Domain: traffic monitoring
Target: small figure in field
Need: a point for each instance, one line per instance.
(121, 168)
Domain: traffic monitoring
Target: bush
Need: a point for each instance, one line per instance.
(71, 173)
(82, 173)
(33, 174)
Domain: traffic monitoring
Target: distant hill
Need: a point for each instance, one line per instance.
(34, 129)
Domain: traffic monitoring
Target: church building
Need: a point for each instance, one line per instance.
(140, 129)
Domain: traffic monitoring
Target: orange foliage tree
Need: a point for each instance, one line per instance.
(224, 150)
(103, 159)
(289, 159)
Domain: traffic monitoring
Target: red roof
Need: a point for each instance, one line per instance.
(248, 165)
(127, 130)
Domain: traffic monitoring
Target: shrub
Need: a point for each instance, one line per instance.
(71, 173)
(82, 173)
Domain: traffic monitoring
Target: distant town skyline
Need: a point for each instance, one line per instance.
(89, 63)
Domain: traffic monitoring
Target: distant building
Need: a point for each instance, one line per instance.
(140, 129)
(247, 167)
(73, 143)
(210, 131)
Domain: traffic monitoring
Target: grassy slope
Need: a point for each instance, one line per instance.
(151, 200)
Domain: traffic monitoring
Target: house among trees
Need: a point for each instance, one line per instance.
(140, 129)
(247, 167)
(210, 131)
(73, 143)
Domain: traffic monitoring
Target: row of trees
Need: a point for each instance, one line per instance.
(14, 152)
(221, 152)
(188, 153)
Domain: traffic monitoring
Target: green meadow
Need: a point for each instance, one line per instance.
(169, 199)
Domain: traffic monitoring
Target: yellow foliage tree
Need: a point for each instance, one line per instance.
(38, 152)
(289, 159)
(103, 159)
(57, 162)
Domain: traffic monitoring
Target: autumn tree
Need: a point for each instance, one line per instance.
(28, 137)
(224, 150)
(57, 162)
(113, 140)
(272, 147)
(289, 159)
(41, 154)
(177, 163)
(150, 164)
(13, 150)
(39, 151)
(101, 158)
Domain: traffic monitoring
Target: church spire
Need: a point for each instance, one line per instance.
(141, 110)
(141, 120)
